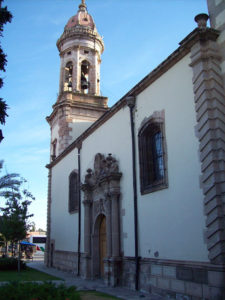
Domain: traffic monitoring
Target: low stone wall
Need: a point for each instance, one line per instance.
(176, 279)
(65, 260)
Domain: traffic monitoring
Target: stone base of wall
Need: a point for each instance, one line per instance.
(85, 266)
(65, 261)
(172, 279)
(176, 279)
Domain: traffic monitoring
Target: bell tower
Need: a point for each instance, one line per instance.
(79, 102)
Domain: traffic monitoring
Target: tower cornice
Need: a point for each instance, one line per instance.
(80, 32)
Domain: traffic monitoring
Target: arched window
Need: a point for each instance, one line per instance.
(73, 192)
(85, 68)
(152, 157)
(68, 77)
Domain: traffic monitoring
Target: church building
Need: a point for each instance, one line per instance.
(136, 192)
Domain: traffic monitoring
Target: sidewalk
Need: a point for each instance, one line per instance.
(98, 285)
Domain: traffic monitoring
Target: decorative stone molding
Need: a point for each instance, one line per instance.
(217, 11)
(158, 118)
(80, 32)
(101, 199)
(210, 114)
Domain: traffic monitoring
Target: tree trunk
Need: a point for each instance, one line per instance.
(6, 248)
(19, 257)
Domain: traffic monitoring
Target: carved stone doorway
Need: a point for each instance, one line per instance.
(102, 244)
(102, 220)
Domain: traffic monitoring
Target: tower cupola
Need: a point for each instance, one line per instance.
(79, 102)
(81, 46)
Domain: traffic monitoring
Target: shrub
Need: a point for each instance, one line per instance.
(35, 291)
(11, 263)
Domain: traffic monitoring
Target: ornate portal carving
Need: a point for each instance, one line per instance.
(101, 198)
(103, 169)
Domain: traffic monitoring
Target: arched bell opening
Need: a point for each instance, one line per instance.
(68, 77)
(99, 246)
(85, 71)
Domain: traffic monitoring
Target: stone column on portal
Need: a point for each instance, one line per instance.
(87, 235)
(87, 227)
(109, 228)
(115, 225)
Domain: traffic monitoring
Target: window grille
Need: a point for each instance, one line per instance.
(152, 157)
(73, 192)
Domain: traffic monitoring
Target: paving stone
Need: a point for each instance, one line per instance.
(69, 279)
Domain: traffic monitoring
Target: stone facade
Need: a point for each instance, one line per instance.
(175, 279)
(65, 261)
(73, 109)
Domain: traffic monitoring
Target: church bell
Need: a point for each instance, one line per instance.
(84, 82)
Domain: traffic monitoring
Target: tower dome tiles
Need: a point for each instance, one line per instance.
(81, 27)
(83, 19)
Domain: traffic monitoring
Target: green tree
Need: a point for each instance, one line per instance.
(14, 223)
(5, 17)
(14, 220)
(15, 217)
(9, 183)
(1, 238)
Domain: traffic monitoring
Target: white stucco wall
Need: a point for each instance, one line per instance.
(114, 137)
(78, 127)
(171, 221)
(63, 224)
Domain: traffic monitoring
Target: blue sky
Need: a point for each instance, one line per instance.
(138, 35)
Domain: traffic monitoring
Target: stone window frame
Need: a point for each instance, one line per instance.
(155, 120)
(73, 201)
